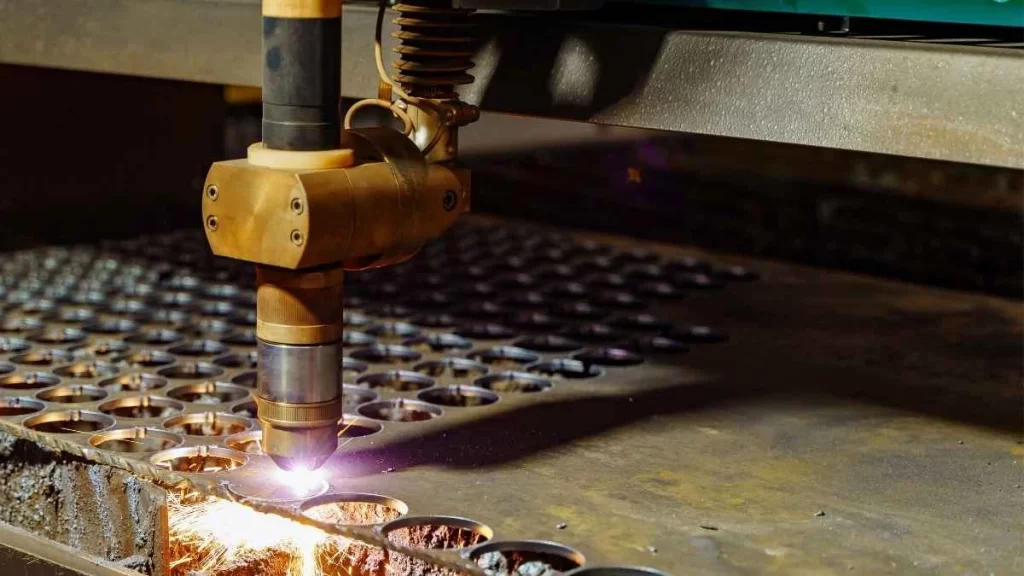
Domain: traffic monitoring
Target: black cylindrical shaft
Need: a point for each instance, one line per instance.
(301, 82)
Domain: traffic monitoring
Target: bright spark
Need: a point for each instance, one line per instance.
(301, 481)
(220, 534)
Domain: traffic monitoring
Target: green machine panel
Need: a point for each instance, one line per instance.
(987, 12)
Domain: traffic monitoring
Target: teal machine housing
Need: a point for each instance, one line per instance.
(985, 12)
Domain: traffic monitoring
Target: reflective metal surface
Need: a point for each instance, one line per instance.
(299, 374)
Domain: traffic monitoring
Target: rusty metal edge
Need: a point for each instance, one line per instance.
(60, 556)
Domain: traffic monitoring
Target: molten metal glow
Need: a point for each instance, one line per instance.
(220, 534)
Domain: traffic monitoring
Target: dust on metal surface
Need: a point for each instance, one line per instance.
(798, 433)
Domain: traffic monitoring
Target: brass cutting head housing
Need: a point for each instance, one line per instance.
(303, 218)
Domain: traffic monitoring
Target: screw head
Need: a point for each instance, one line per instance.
(212, 193)
(449, 200)
(212, 223)
(296, 205)
(297, 238)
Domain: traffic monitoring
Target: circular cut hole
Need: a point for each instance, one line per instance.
(593, 332)
(136, 440)
(210, 325)
(29, 381)
(437, 532)
(87, 370)
(457, 368)
(354, 509)
(355, 319)
(434, 320)
(526, 557)
(247, 360)
(486, 331)
(528, 300)
(207, 424)
(616, 571)
(42, 358)
(353, 396)
(697, 335)
(579, 310)
(111, 326)
(655, 345)
(548, 343)
(164, 317)
(697, 281)
(19, 406)
(72, 394)
(565, 368)
(393, 332)
(13, 345)
(154, 337)
(200, 459)
(71, 315)
(243, 338)
(512, 382)
(500, 356)
(98, 348)
(59, 336)
(619, 299)
(609, 357)
(198, 348)
(247, 409)
(459, 396)
(352, 426)
(439, 343)
(145, 359)
(248, 442)
(35, 307)
(142, 407)
(247, 379)
(208, 393)
(20, 324)
(187, 370)
(215, 308)
(389, 311)
(351, 367)
(641, 323)
(659, 289)
(398, 380)
(173, 299)
(243, 318)
(533, 320)
(353, 339)
(387, 353)
(688, 264)
(69, 421)
(133, 383)
(481, 310)
(400, 410)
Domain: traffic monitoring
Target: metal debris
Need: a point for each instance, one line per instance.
(535, 568)
(493, 563)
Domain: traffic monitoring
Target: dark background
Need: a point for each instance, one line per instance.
(88, 156)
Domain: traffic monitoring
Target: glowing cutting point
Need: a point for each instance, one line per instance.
(301, 481)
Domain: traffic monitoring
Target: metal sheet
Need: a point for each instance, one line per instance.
(846, 423)
(932, 101)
